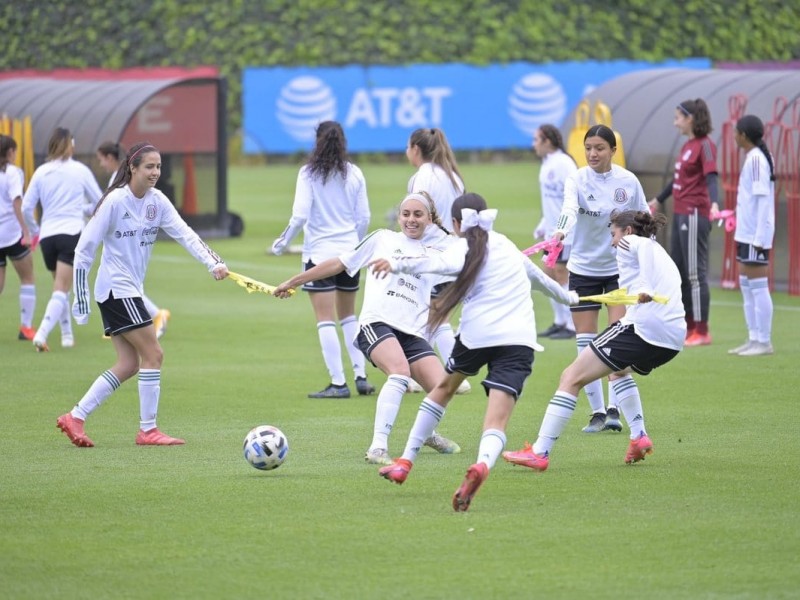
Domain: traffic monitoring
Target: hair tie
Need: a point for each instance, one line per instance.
(483, 219)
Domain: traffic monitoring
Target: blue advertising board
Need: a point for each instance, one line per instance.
(478, 107)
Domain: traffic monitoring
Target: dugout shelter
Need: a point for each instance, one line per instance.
(180, 111)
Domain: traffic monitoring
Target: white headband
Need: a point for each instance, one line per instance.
(419, 198)
(483, 219)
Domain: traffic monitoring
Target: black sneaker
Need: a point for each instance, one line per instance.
(333, 391)
(563, 334)
(612, 422)
(549, 331)
(596, 424)
(363, 387)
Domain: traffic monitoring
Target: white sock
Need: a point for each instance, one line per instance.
(386, 409)
(559, 412)
(593, 390)
(52, 315)
(99, 391)
(27, 304)
(349, 327)
(444, 340)
(428, 417)
(558, 316)
(331, 351)
(149, 391)
(492, 443)
(749, 308)
(763, 309)
(151, 307)
(612, 396)
(66, 320)
(630, 404)
(566, 313)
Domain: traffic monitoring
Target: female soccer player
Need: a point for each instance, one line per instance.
(15, 239)
(497, 329)
(647, 336)
(127, 221)
(393, 318)
(111, 155)
(68, 192)
(557, 165)
(755, 228)
(590, 197)
(437, 174)
(694, 187)
(332, 209)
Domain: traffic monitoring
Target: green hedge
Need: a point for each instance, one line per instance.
(235, 34)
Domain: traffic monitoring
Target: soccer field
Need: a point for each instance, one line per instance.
(713, 513)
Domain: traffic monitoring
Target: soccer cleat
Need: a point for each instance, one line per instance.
(26, 333)
(40, 345)
(397, 471)
(475, 477)
(378, 456)
(363, 387)
(154, 437)
(742, 348)
(549, 331)
(73, 428)
(563, 333)
(638, 449)
(597, 423)
(442, 445)
(698, 339)
(332, 391)
(464, 387)
(527, 458)
(414, 387)
(612, 422)
(757, 349)
(160, 321)
(67, 341)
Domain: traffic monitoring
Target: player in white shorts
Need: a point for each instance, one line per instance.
(126, 223)
(497, 329)
(755, 228)
(590, 197)
(393, 318)
(649, 335)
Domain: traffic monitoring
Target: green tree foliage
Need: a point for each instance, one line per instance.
(235, 34)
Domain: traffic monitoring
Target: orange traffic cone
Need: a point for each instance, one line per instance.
(189, 186)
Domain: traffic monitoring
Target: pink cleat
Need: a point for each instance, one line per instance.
(527, 458)
(397, 471)
(73, 428)
(154, 437)
(638, 449)
(475, 477)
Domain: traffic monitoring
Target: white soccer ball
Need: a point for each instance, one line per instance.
(265, 447)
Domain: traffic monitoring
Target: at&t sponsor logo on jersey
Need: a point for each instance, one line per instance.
(125, 234)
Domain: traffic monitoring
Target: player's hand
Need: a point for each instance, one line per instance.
(558, 236)
(653, 204)
(284, 290)
(380, 267)
(220, 272)
(645, 298)
(278, 246)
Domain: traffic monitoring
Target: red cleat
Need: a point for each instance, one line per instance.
(638, 449)
(698, 339)
(26, 333)
(397, 471)
(475, 477)
(527, 458)
(73, 428)
(154, 437)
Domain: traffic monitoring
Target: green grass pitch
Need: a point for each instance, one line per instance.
(713, 513)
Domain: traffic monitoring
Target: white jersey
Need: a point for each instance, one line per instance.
(645, 267)
(400, 301)
(755, 202)
(498, 309)
(10, 188)
(436, 238)
(128, 226)
(67, 191)
(556, 168)
(589, 200)
(433, 179)
(334, 215)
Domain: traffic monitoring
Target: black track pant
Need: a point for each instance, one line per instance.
(689, 250)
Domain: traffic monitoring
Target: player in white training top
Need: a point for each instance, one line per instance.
(755, 229)
(497, 328)
(393, 322)
(590, 197)
(332, 209)
(556, 167)
(126, 223)
(68, 192)
(649, 335)
(15, 239)
(111, 155)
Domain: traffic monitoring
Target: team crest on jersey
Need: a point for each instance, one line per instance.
(150, 213)
(620, 196)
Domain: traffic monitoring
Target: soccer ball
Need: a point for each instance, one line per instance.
(265, 447)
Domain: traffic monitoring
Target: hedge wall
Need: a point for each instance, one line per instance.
(234, 34)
